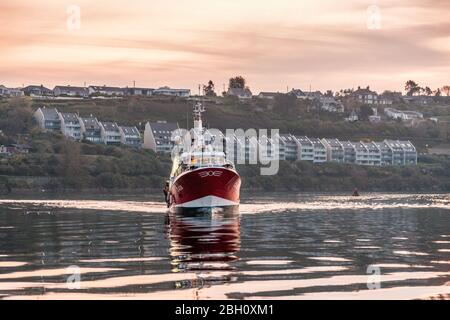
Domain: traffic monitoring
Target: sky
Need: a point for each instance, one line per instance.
(275, 44)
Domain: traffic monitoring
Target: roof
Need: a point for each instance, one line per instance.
(240, 92)
(170, 89)
(371, 146)
(316, 142)
(333, 142)
(268, 93)
(34, 87)
(69, 116)
(50, 113)
(70, 88)
(304, 140)
(359, 146)
(288, 138)
(297, 92)
(130, 131)
(400, 145)
(134, 89)
(105, 88)
(347, 144)
(90, 123)
(364, 91)
(381, 144)
(316, 94)
(110, 126)
(162, 127)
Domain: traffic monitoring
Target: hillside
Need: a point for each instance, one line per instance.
(59, 165)
(287, 115)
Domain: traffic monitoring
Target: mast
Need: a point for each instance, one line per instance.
(198, 125)
(198, 110)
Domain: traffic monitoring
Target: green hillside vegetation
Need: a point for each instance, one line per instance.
(57, 164)
(285, 113)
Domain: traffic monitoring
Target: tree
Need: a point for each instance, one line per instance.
(285, 103)
(237, 83)
(19, 117)
(437, 93)
(428, 91)
(411, 87)
(209, 89)
(70, 168)
(446, 89)
(366, 111)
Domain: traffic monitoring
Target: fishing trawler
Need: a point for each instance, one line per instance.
(202, 177)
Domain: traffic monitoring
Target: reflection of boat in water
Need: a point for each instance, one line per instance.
(203, 242)
(201, 176)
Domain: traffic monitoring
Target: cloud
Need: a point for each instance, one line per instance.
(299, 43)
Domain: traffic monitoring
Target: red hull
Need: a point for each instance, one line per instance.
(206, 187)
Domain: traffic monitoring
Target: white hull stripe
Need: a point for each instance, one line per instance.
(207, 202)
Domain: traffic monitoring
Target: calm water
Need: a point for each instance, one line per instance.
(288, 247)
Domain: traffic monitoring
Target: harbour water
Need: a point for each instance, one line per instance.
(287, 246)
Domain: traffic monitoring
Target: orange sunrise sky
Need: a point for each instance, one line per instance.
(180, 43)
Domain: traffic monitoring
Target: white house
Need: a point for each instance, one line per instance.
(90, 129)
(70, 125)
(47, 119)
(335, 150)
(386, 153)
(105, 91)
(403, 152)
(291, 147)
(240, 93)
(167, 91)
(365, 95)
(10, 92)
(37, 91)
(299, 94)
(110, 133)
(267, 95)
(269, 148)
(139, 91)
(158, 136)
(353, 117)
(130, 136)
(373, 153)
(320, 152)
(349, 151)
(3, 91)
(69, 91)
(402, 115)
(367, 154)
(305, 149)
(330, 104)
